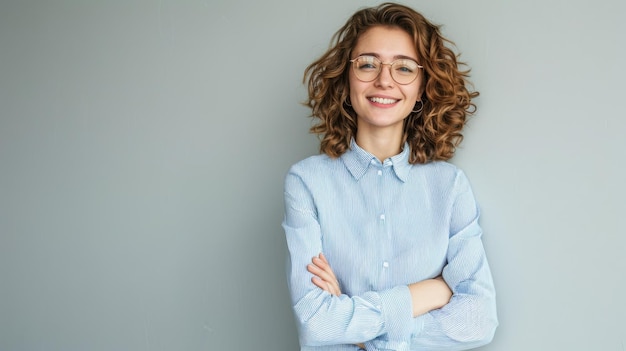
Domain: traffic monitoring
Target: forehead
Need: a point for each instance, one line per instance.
(385, 42)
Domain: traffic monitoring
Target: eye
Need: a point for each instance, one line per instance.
(405, 67)
(367, 66)
(367, 63)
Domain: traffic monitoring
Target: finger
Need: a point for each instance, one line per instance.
(323, 264)
(332, 284)
(326, 286)
(325, 260)
(323, 274)
(334, 289)
(320, 283)
(320, 261)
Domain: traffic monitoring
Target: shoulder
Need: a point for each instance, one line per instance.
(441, 170)
(441, 175)
(312, 173)
(313, 165)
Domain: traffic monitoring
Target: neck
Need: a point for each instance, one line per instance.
(382, 145)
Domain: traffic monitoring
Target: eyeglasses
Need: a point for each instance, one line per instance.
(367, 68)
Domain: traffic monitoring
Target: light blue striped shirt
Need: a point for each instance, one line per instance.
(383, 226)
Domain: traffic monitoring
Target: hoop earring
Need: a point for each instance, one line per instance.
(418, 109)
(348, 102)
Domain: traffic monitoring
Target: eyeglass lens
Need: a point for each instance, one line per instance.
(403, 71)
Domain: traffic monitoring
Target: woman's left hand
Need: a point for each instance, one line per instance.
(324, 277)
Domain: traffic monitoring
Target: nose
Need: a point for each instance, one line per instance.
(384, 77)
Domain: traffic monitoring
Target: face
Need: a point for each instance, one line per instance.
(383, 103)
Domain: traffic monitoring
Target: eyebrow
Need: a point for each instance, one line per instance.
(397, 57)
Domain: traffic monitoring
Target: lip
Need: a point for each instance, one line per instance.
(381, 104)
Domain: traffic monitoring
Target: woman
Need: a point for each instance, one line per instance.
(385, 249)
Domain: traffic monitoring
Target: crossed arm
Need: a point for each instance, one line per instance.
(426, 295)
(325, 315)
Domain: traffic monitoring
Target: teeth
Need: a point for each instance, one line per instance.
(383, 101)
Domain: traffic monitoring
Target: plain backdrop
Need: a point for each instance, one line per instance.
(143, 146)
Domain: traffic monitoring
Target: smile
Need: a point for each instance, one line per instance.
(383, 101)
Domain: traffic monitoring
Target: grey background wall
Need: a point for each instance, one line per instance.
(143, 146)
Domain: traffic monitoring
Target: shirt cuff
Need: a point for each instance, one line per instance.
(397, 314)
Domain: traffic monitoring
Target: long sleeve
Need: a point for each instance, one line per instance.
(324, 319)
(469, 320)
(382, 226)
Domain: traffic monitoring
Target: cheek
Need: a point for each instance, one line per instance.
(353, 84)
(421, 85)
(356, 88)
(414, 92)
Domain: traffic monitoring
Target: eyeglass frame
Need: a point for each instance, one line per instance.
(381, 69)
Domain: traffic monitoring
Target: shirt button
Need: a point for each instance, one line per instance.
(380, 172)
(386, 264)
(382, 217)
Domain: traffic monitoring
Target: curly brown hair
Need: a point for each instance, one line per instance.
(433, 133)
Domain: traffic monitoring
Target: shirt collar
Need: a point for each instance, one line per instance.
(357, 160)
